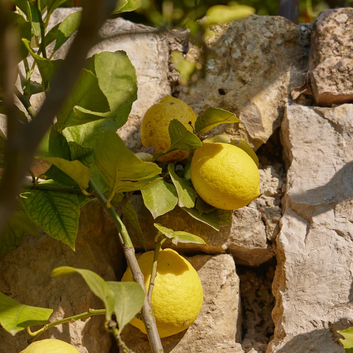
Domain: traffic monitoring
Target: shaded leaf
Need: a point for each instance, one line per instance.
(84, 154)
(130, 214)
(18, 227)
(57, 213)
(215, 219)
(66, 28)
(23, 5)
(34, 17)
(186, 193)
(213, 117)
(181, 138)
(222, 13)
(120, 169)
(52, 5)
(246, 148)
(179, 236)
(14, 316)
(159, 197)
(74, 169)
(129, 298)
(95, 282)
(183, 66)
(87, 95)
(45, 66)
(117, 80)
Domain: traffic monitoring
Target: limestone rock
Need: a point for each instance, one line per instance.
(313, 281)
(25, 276)
(331, 57)
(251, 66)
(216, 328)
(250, 237)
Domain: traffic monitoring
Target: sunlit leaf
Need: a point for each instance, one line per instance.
(222, 13)
(14, 316)
(347, 339)
(179, 236)
(117, 80)
(95, 282)
(86, 95)
(183, 66)
(159, 197)
(129, 298)
(34, 17)
(66, 28)
(74, 169)
(186, 193)
(213, 117)
(121, 170)
(56, 212)
(126, 6)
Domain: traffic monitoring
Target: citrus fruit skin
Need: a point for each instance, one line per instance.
(177, 293)
(155, 124)
(224, 176)
(50, 346)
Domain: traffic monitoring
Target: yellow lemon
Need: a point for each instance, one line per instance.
(177, 293)
(224, 176)
(155, 124)
(50, 346)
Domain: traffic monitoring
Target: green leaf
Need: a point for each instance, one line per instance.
(129, 298)
(52, 5)
(66, 28)
(57, 213)
(84, 154)
(74, 169)
(34, 18)
(120, 169)
(45, 66)
(347, 339)
(246, 148)
(186, 194)
(159, 197)
(213, 117)
(24, 31)
(185, 67)
(181, 138)
(23, 5)
(16, 230)
(87, 95)
(126, 6)
(117, 80)
(14, 316)
(51, 36)
(54, 144)
(130, 215)
(215, 219)
(95, 282)
(179, 236)
(221, 14)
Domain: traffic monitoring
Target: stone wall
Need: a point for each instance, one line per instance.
(298, 234)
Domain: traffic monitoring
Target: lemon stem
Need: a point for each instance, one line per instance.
(129, 252)
(84, 315)
(157, 247)
(116, 333)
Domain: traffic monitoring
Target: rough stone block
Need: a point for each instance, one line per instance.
(313, 281)
(331, 57)
(25, 276)
(251, 66)
(216, 328)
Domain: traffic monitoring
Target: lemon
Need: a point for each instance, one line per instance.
(50, 346)
(155, 124)
(177, 293)
(224, 176)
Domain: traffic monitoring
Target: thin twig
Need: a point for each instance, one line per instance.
(157, 247)
(129, 252)
(84, 315)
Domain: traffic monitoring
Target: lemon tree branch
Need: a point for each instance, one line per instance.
(129, 252)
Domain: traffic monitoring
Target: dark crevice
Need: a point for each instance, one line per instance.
(257, 303)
